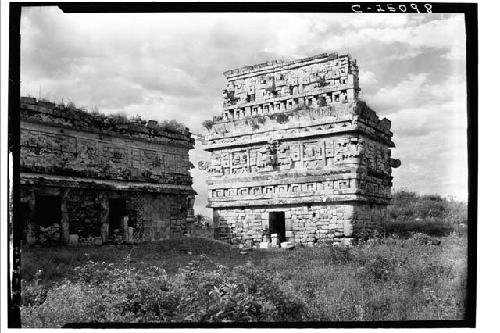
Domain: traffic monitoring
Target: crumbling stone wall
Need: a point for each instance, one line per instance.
(70, 152)
(277, 86)
(86, 159)
(294, 137)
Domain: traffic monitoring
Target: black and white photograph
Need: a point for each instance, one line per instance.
(235, 165)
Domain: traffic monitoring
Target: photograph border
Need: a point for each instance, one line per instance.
(13, 238)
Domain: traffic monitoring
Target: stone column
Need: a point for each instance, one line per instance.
(124, 225)
(31, 205)
(104, 216)
(64, 217)
(105, 232)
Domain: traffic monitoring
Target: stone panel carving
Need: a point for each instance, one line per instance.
(77, 162)
(45, 150)
(294, 138)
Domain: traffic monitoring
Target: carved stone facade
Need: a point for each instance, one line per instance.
(295, 152)
(89, 178)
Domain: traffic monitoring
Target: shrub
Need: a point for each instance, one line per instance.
(208, 124)
(201, 292)
(322, 82)
(173, 126)
(118, 118)
(281, 118)
(387, 278)
(33, 294)
(436, 216)
(408, 205)
(407, 228)
(71, 302)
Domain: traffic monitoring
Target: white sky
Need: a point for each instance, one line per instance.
(169, 66)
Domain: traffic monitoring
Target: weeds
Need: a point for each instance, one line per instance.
(414, 270)
(387, 279)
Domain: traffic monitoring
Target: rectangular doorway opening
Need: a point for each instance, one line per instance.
(117, 210)
(277, 224)
(47, 210)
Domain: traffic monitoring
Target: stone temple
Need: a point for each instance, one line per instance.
(87, 178)
(296, 153)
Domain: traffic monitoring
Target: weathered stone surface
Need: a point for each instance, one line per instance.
(294, 138)
(86, 161)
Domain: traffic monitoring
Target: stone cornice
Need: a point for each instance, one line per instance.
(36, 179)
(252, 200)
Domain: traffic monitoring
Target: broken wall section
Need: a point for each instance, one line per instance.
(106, 178)
(70, 149)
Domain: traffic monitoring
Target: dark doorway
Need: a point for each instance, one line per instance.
(277, 224)
(47, 210)
(117, 210)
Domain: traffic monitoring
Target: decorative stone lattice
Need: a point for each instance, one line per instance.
(295, 146)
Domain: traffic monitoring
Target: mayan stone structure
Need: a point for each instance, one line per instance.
(87, 178)
(297, 154)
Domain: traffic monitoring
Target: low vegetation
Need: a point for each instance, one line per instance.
(404, 274)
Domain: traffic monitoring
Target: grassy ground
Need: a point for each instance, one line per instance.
(391, 278)
(415, 269)
(57, 263)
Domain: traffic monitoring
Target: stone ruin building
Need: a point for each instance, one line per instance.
(296, 154)
(87, 178)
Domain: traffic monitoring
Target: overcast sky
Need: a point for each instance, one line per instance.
(169, 66)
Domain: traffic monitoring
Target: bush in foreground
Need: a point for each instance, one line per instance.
(382, 279)
(201, 292)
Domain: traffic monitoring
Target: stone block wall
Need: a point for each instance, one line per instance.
(162, 216)
(154, 217)
(294, 137)
(87, 159)
(304, 224)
